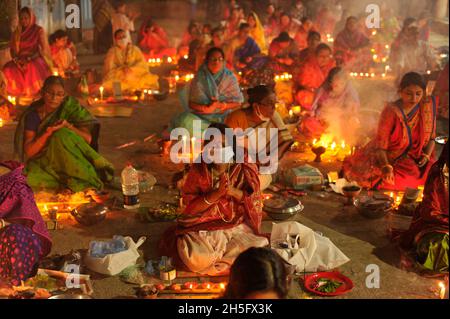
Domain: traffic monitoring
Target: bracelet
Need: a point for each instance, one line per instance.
(426, 155)
(388, 165)
(2, 223)
(207, 201)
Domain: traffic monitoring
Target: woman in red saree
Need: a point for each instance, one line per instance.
(24, 238)
(312, 74)
(222, 214)
(31, 57)
(401, 154)
(154, 42)
(353, 45)
(427, 237)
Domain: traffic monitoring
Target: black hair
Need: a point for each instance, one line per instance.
(407, 22)
(304, 19)
(117, 32)
(58, 34)
(243, 26)
(51, 80)
(119, 3)
(212, 51)
(216, 30)
(312, 34)
(258, 93)
(412, 78)
(283, 37)
(26, 10)
(351, 18)
(322, 46)
(257, 269)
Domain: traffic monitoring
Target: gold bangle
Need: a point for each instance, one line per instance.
(207, 201)
(3, 223)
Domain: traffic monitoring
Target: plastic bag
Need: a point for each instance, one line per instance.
(113, 264)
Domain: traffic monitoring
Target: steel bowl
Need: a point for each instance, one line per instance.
(90, 213)
(289, 208)
(374, 208)
(71, 296)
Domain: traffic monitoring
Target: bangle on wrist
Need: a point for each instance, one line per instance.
(207, 201)
(2, 223)
(391, 168)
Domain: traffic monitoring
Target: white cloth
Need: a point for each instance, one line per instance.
(121, 21)
(213, 252)
(307, 250)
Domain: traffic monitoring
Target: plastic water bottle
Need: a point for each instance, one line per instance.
(130, 187)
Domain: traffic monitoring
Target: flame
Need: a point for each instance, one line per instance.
(222, 285)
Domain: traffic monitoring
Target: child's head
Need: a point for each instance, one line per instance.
(257, 273)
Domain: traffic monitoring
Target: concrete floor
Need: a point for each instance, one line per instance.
(363, 241)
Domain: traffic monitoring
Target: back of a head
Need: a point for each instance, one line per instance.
(257, 270)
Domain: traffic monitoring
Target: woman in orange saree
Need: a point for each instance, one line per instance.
(401, 154)
(31, 57)
(312, 74)
(222, 213)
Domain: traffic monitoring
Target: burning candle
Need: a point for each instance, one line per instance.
(186, 56)
(367, 75)
(158, 60)
(333, 146)
(343, 144)
(291, 114)
(372, 75)
(387, 46)
(314, 142)
(383, 75)
(296, 109)
(277, 78)
(361, 74)
(1, 122)
(441, 290)
(375, 57)
(177, 78)
(374, 32)
(101, 93)
(222, 286)
(428, 72)
(169, 59)
(386, 69)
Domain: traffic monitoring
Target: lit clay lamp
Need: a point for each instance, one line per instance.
(318, 150)
(351, 192)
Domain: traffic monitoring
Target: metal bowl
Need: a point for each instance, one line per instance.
(282, 208)
(90, 213)
(71, 296)
(374, 208)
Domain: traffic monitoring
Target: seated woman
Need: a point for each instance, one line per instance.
(154, 42)
(24, 238)
(54, 137)
(231, 25)
(313, 42)
(288, 25)
(64, 54)
(31, 57)
(257, 273)
(401, 154)
(283, 52)
(223, 212)
(243, 52)
(213, 94)
(353, 43)
(261, 114)
(192, 33)
(427, 237)
(257, 32)
(126, 64)
(335, 107)
(301, 37)
(7, 111)
(409, 53)
(312, 74)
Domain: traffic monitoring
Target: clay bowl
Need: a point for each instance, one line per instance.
(351, 192)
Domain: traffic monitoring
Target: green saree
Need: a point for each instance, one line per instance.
(67, 160)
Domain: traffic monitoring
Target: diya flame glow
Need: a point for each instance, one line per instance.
(333, 149)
